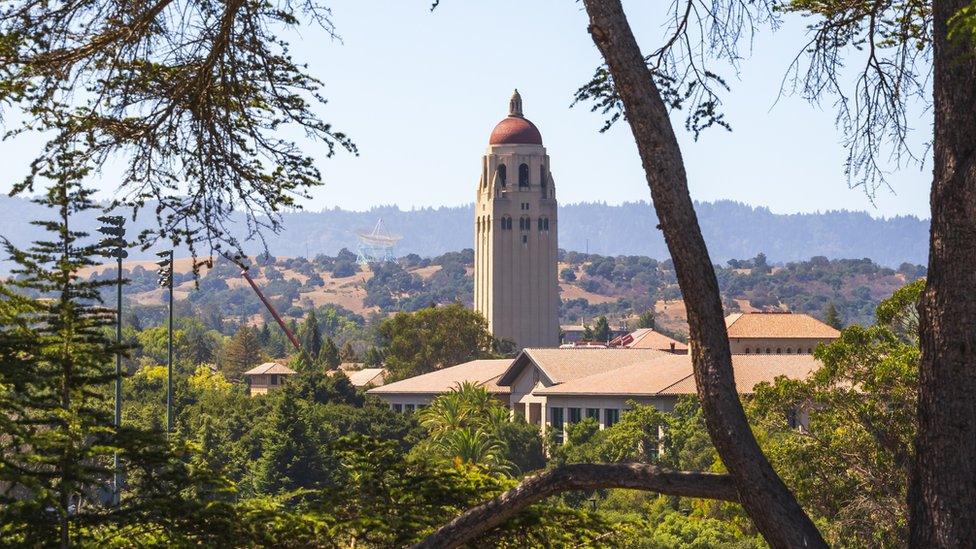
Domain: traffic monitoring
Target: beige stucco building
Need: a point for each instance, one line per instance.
(516, 286)
(776, 333)
(266, 377)
(552, 388)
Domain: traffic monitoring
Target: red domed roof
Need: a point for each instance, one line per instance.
(515, 130)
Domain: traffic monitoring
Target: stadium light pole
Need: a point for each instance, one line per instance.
(165, 280)
(114, 246)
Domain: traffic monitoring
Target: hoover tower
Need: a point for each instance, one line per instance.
(516, 285)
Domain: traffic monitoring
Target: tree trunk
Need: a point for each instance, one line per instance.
(942, 495)
(766, 499)
(637, 476)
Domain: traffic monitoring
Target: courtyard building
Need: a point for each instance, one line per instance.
(408, 395)
(552, 387)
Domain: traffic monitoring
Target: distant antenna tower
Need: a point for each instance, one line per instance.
(376, 245)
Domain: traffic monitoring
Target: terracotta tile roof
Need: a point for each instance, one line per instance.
(480, 372)
(561, 365)
(269, 368)
(366, 376)
(751, 370)
(672, 375)
(515, 130)
(646, 338)
(777, 325)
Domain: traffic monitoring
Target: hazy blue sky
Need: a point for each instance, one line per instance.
(419, 92)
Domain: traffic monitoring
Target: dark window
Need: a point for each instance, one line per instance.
(525, 239)
(556, 422)
(575, 415)
(542, 180)
(506, 223)
(540, 223)
(593, 413)
(274, 379)
(502, 174)
(747, 350)
(398, 408)
(768, 351)
(409, 407)
(611, 416)
(789, 350)
(779, 350)
(545, 225)
(524, 175)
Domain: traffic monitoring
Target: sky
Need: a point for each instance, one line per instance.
(419, 93)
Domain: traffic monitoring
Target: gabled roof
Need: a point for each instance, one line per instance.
(366, 376)
(269, 368)
(777, 325)
(484, 373)
(561, 365)
(673, 375)
(647, 338)
(751, 370)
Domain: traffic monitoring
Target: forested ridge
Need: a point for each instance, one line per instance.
(731, 229)
(351, 299)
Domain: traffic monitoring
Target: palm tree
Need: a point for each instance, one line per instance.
(465, 426)
(475, 447)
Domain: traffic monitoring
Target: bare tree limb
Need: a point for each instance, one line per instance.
(637, 476)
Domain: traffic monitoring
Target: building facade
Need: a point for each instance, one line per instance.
(267, 377)
(551, 388)
(776, 333)
(516, 286)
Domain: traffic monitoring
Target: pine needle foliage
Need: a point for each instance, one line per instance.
(56, 400)
(56, 370)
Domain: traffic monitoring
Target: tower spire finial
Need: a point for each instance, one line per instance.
(515, 105)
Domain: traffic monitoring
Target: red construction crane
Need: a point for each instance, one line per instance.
(274, 313)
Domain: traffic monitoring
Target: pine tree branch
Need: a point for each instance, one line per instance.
(589, 476)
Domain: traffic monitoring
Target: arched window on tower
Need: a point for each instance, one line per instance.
(542, 180)
(506, 223)
(502, 174)
(545, 225)
(524, 175)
